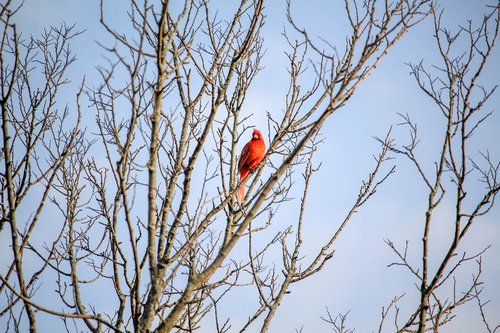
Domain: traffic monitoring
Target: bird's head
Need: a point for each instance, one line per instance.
(256, 135)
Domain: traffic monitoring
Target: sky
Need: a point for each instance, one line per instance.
(358, 278)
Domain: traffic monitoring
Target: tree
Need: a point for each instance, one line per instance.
(142, 207)
(455, 88)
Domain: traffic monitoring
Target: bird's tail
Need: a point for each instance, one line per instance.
(240, 195)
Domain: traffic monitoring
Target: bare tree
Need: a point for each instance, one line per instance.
(143, 208)
(37, 145)
(455, 88)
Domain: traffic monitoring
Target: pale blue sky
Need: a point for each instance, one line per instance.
(357, 279)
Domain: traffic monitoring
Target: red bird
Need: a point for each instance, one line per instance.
(251, 155)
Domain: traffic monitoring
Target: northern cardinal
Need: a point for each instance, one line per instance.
(250, 157)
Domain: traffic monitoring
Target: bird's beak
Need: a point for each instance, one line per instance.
(256, 136)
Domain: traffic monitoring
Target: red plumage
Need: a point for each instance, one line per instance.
(250, 157)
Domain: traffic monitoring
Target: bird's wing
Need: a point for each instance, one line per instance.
(244, 156)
